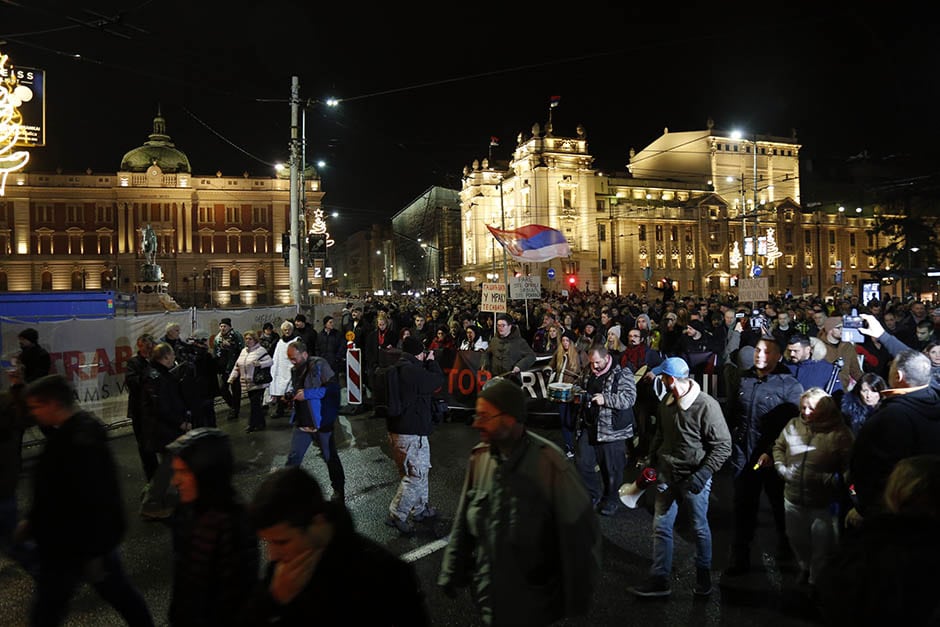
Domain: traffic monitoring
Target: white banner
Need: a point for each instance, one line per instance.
(93, 353)
(493, 297)
(525, 287)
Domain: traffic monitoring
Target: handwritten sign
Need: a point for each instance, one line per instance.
(753, 290)
(494, 297)
(525, 287)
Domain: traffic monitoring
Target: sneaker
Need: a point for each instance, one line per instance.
(429, 513)
(569, 454)
(404, 527)
(703, 582)
(653, 587)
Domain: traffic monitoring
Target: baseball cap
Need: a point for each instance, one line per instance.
(674, 367)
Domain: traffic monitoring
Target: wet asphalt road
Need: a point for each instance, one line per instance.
(762, 598)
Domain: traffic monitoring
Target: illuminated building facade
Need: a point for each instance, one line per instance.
(219, 237)
(687, 210)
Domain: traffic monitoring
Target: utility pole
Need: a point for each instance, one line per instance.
(502, 213)
(294, 260)
(756, 213)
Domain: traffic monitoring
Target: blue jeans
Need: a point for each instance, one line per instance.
(299, 443)
(57, 582)
(568, 418)
(664, 519)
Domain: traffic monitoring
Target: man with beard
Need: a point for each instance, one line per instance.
(228, 346)
(607, 424)
(508, 352)
(761, 402)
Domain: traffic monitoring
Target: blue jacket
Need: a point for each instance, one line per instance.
(321, 395)
(814, 373)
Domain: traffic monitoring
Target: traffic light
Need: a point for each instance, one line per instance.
(572, 280)
(316, 244)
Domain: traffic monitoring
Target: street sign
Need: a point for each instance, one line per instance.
(550, 273)
(525, 287)
(753, 290)
(493, 297)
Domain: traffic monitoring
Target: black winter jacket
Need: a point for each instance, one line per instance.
(77, 511)
(758, 409)
(904, 425)
(417, 383)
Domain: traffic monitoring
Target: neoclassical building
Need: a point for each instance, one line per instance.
(688, 210)
(219, 237)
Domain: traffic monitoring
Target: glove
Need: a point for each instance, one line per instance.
(696, 483)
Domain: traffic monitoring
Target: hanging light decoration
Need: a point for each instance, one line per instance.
(11, 123)
(735, 256)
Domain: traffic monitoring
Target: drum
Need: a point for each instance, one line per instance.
(559, 392)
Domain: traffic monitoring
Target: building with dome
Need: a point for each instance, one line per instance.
(218, 236)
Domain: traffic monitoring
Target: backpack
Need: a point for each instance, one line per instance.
(386, 388)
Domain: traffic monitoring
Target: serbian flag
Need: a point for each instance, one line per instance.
(494, 140)
(553, 101)
(532, 243)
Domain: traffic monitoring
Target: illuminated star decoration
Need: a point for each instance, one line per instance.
(319, 226)
(11, 125)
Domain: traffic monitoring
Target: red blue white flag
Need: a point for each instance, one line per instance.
(532, 243)
(494, 140)
(553, 101)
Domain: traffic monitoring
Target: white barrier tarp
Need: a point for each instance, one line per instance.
(93, 353)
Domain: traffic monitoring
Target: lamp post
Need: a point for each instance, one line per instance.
(910, 268)
(502, 213)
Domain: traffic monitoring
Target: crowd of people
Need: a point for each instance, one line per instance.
(817, 405)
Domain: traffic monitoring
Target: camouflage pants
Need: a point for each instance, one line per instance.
(412, 455)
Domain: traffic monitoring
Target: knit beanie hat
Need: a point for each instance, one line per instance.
(506, 396)
(615, 330)
(698, 325)
(570, 335)
(30, 335)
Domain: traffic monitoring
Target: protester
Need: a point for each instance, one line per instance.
(76, 516)
(253, 357)
(474, 339)
(419, 375)
(165, 418)
(320, 569)
(861, 402)
(907, 423)
(14, 420)
(548, 526)
(811, 455)
(761, 402)
(567, 365)
(34, 358)
(690, 446)
(138, 368)
(316, 407)
(885, 574)
(281, 370)
(215, 551)
(226, 349)
(606, 425)
(508, 352)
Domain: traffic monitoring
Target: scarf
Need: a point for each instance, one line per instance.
(633, 356)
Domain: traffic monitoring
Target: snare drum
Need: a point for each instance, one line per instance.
(560, 392)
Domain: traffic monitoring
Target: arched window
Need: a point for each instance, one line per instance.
(3, 281)
(77, 280)
(233, 279)
(261, 282)
(46, 281)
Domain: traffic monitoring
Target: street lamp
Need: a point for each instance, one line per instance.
(910, 266)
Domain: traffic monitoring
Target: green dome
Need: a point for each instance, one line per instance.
(159, 151)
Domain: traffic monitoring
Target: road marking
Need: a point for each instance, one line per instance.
(424, 551)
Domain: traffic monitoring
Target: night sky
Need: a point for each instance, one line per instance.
(424, 90)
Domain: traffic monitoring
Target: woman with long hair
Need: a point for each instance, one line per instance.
(442, 339)
(567, 364)
(859, 403)
(811, 454)
(473, 340)
(932, 350)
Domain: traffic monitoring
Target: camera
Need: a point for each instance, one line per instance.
(852, 322)
(757, 319)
